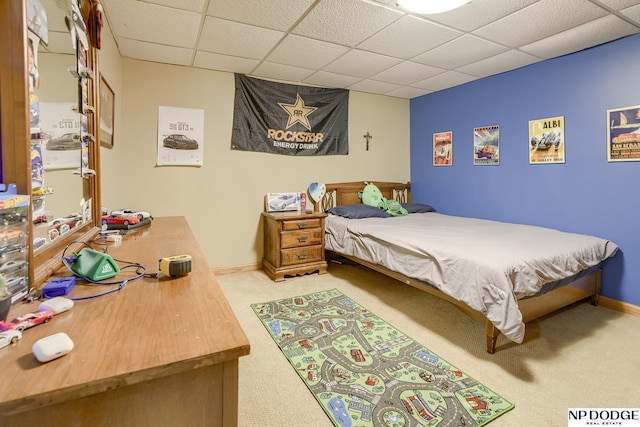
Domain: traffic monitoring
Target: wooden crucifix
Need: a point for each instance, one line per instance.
(368, 136)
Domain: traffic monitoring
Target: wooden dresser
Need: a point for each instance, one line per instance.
(293, 244)
(161, 351)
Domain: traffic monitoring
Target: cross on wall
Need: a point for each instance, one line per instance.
(368, 136)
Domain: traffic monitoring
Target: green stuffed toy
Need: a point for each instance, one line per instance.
(372, 196)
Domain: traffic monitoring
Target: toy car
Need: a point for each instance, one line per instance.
(12, 265)
(28, 320)
(62, 225)
(18, 288)
(71, 218)
(129, 213)
(6, 235)
(10, 337)
(10, 249)
(180, 142)
(129, 220)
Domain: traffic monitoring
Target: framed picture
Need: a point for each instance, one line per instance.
(442, 148)
(486, 145)
(623, 134)
(107, 110)
(546, 141)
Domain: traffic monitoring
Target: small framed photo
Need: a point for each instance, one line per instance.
(276, 202)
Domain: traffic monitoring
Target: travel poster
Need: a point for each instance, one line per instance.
(486, 145)
(623, 134)
(546, 141)
(442, 148)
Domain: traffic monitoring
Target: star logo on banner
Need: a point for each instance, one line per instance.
(298, 112)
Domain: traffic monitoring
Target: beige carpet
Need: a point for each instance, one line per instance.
(582, 357)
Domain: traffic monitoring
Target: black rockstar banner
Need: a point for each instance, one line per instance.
(289, 119)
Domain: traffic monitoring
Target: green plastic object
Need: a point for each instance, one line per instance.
(94, 265)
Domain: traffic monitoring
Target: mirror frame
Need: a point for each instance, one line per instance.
(15, 138)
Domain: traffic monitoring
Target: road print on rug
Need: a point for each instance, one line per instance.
(365, 372)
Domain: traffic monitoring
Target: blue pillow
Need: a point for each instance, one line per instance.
(417, 207)
(358, 211)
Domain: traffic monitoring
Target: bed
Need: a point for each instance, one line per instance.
(500, 273)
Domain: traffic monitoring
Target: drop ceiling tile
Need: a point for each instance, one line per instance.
(149, 22)
(619, 4)
(296, 50)
(540, 20)
(591, 34)
(633, 13)
(372, 86)
(155, 52)
(221, 36)
(500, 63)
(192, 5)
(281, 72)
(408, 37)
(479, 13)
(406, 72)
(407, 92)
(444, 80)
(345, 22)
(359, 63)
(461, 51)
(274, 14)
(232, 64)
(325, 79)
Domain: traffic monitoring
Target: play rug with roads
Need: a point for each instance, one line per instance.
(365, 372)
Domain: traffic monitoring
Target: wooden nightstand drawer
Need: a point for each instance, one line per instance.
(294, 239)
(301, 255)
(293, 244)
(301, 224)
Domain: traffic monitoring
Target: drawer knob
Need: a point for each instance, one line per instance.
(302, 239)
(302, 225)
(302, 256)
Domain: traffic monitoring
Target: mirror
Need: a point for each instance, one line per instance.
(57, 186)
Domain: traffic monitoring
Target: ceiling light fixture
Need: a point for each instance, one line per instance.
(426, 7)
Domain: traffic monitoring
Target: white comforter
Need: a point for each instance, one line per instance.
(486, 264)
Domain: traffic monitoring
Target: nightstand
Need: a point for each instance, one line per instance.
(293, 244)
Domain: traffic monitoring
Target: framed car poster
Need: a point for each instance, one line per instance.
(442, 148)
(61, 145)
(486, 145)
(180, 136)
(546, 141)
(623, 134)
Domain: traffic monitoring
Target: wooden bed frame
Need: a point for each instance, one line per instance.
(532, 308)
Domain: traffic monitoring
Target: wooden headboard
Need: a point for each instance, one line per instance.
(346, 193)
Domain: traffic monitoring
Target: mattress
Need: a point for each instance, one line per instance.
(488, 265)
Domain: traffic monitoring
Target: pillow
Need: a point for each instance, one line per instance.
(357, 211)
(417, 207)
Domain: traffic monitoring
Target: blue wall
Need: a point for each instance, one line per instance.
(586, 194)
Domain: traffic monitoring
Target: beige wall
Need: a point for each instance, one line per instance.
(223, 199)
